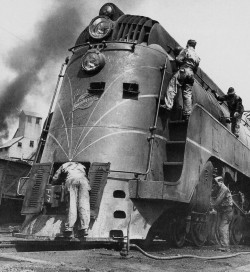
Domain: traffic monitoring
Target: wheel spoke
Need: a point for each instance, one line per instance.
(199, 233)
(236, 233)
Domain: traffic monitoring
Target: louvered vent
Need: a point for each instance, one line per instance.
(98, 177)
(133, 29)
(95, 187)
(33, 201)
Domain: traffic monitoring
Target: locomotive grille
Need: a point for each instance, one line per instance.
(98, 177)
(95, 187)
(33, 201)
(133, 29)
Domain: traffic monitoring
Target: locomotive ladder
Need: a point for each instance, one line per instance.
(175, 150)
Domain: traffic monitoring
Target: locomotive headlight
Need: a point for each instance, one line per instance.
(100, 27)
(93, 61)
(107, 10)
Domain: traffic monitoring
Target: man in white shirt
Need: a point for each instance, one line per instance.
(77, 185)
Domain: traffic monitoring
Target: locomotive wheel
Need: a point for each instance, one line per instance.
(235, 230)
(199, 233)
(178, 231)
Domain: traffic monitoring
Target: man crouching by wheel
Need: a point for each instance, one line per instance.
(222, 202)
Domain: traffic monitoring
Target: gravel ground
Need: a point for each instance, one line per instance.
(109, 260)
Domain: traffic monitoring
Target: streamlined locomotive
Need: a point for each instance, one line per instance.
(150, 171)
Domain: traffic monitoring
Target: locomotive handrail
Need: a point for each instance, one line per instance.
(152, 129)
(228, 117)
(103, 42)
(79, 45)
(50, 108)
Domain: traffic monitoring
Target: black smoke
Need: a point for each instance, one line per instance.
(52, 38)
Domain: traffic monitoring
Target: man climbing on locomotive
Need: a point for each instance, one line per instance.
(187, 61)
(235, 107)
(77, 187)
(222, 202)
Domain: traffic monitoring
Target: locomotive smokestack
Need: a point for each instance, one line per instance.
(33, 61)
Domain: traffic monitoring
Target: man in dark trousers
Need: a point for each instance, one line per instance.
(222, 202)
(77, 186)
(235, 107)
(188, 62)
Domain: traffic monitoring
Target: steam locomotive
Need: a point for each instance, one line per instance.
(150, 171)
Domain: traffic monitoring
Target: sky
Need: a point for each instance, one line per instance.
(31, 56)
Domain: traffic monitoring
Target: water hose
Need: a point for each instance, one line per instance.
(188, 255)
(127, 246)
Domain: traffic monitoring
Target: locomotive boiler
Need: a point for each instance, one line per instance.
(150, 171)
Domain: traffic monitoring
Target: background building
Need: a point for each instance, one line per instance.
(24, 143)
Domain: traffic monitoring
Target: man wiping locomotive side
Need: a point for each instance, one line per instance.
(188, 62)
(77, 185)
(222, 202)
(235, 107)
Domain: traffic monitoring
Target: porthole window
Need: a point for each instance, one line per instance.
(119, 214)
(119, 194)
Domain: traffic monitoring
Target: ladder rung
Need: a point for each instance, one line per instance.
(178, 122)
(173, 163)
(176, 142)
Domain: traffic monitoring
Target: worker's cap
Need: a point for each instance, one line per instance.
(191, 43)
(231, 91)
(218, 181)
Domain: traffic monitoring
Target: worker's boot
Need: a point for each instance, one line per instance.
(68, 233)
(82, 233)
(224, 249)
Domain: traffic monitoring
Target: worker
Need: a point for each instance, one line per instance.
(187, 61)
(77, 186)
(222, 202)
(235, 107)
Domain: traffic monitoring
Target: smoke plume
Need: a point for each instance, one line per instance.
(52, 39)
